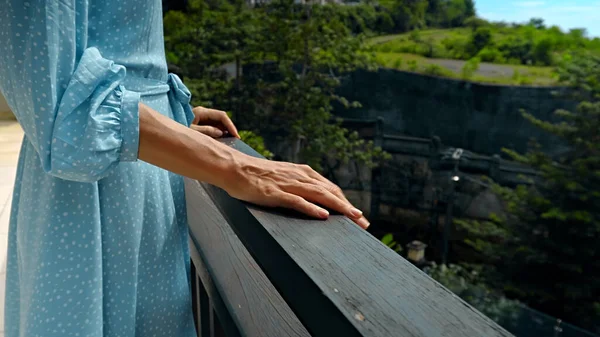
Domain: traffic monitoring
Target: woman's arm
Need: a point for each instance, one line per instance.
(174, 147)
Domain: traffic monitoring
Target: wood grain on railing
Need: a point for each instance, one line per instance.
(280, 274)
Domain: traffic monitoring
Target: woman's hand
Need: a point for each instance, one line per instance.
(213, 123)
(299, 187)
(171, 146)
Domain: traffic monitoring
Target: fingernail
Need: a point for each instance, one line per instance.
(364, 223)
(323, 213)
(355, 212)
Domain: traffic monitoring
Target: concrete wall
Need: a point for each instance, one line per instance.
(478, 117)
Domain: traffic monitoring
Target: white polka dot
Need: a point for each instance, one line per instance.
(109, 255)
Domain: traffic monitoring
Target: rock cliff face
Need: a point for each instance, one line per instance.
(478, 117)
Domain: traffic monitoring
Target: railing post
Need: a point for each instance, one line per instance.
(454, 178)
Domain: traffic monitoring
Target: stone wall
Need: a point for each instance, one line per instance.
(478, 117)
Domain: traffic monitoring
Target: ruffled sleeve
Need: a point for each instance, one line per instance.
(68, 98)
(97, 124)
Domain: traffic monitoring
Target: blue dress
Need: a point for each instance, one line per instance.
(97, 239)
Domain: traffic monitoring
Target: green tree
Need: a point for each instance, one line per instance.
(474, 22)
(299, 52)
(481, 38)
(546, 245)
(310, 49)
(200, 50)
(542, 52)
(538, 23)
(409, 14)
(449, 13)
(470, 9)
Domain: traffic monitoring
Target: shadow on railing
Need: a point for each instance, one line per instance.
(259, 272)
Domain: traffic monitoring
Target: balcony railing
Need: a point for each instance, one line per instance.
(259, 272)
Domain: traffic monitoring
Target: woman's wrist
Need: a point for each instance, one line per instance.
(174, 147)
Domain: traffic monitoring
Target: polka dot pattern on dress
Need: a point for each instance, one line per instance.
(97, 239)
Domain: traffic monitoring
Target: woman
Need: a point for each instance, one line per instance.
(98, 233)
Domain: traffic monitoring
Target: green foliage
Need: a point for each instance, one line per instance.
(435, 70)
(531, 44)
(481, 38)
(415, 36)
(546, 245)
(412, 65)
(289, 100)
(402, 16)
(398, 63)
(520, 75)
(542, 52)
(537, 23)
(491, 55)
(465, 282)
(256, 142)
(475, 22)
(388, 240)
(449, 13)
(470, 68)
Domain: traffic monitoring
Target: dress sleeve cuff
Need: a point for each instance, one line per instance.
(130, 124)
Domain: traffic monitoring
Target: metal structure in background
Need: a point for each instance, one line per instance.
(454, 179)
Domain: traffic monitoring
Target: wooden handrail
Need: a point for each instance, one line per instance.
(276, 273)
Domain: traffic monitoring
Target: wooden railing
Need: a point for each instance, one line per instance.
(263, 272)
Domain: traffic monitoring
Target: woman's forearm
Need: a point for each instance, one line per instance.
(174, 147)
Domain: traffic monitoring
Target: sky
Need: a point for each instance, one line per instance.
(563, 13)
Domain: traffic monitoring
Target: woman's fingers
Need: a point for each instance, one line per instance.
(208, 130)
(215, 118)
(320, 195)
(295, 202)
(355, 214)
(333, 188)
(363, 222)
(228, 123)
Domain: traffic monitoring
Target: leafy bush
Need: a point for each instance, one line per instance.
(491, 54)
(415, 36)
(465, 282)
(388, 240)
(470, 68)
(398, 63)
(412, 65)
(530, 44)
(542, 52)
(256, 142)
(475, 22)
(456, 48)
(481, 38)
(435, 70)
